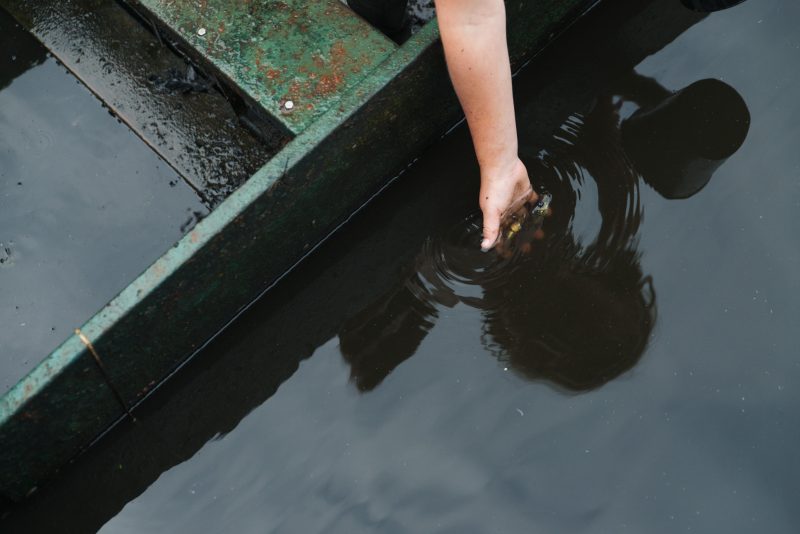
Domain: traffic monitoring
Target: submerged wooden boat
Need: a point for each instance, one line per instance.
(353, 107)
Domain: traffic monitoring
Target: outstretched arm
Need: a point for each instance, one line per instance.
(474, 37)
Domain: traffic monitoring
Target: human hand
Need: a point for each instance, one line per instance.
(503, 194)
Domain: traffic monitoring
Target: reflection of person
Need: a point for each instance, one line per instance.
(576, 316)
(474, 38)
(677, 140)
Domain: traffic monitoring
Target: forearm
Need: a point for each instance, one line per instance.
(474, 38)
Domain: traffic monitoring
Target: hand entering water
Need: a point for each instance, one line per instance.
(503, 194)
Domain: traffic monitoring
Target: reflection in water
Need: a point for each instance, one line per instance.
(677, 144)
(554, 308)
(709, 6)
(21, 52)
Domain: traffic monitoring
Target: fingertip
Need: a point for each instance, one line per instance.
(490, 239)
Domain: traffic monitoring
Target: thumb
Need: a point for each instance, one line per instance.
(491, 229)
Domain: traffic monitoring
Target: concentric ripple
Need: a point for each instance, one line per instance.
(451, 267)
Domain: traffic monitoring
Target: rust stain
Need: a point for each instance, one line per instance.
(328, 76)
(328, 84)
(158, 269)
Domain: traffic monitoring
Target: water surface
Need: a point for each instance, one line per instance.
(636, 370)
(85, 206)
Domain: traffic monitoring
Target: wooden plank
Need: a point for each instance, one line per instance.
(294, 57)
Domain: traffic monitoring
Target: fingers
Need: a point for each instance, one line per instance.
(503, 197)
(494, 222)
(518, 204)
(491, 229)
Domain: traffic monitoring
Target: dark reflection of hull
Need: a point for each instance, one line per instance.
(709, 6)
(244, 367)
(20, 51)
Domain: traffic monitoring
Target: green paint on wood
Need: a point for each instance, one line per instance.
(307, 52)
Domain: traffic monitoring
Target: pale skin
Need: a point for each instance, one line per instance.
(474, 38)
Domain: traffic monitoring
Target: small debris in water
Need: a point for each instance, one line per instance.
(201, 32)
(521, 413)
(420, 12)
(6, 256)
(194, 218)
(174, 80)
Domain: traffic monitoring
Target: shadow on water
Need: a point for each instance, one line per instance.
(21, 52)
(710, 6)
(569, 310)
(555, 309)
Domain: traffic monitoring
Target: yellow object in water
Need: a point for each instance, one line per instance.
(513, 229)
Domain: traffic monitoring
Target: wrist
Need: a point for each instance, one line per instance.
(501, 168)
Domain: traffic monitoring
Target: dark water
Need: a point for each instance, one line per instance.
(634, 369)
(85, 206)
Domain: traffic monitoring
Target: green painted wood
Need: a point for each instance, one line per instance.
(307, 52)
(57, 410)
(290, 205)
